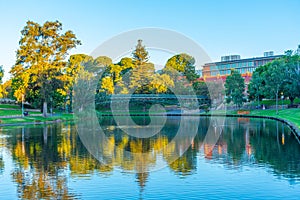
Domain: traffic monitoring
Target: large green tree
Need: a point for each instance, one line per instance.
(234, 88)
(142, 74)
(274, 79)
(184, 64)
(256, 86)
(76, 63)
(40, 60)
(291, 77)
(141, 78)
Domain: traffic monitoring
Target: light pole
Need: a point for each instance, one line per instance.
(51, 109)
(22, 105)
(282, 97)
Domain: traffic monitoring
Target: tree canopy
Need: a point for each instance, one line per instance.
(40, 60)
(234, 88)
(280, 77)
(183, 63)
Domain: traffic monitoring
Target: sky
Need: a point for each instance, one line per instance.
(220, 27)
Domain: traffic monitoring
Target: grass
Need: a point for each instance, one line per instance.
(9, 110)
(30, 119)
(9, 106)
(14, 112)
(292, 114)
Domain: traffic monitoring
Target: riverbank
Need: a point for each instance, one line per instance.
(292, 114)
(35, 120)
(13, 116)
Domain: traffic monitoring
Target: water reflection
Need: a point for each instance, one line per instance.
(45, 158)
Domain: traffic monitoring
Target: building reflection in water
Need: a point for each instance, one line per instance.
(42, 155)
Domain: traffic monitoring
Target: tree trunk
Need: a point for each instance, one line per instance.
(292, 101)
(276, 103)
(45, 109)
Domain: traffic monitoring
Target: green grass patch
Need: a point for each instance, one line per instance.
(292, 114)
(14, 112)
(10, 106)
(31, 119)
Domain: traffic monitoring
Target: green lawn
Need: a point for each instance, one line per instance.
(292, 114)
(64, 117)
(9, 106)
(14, 112)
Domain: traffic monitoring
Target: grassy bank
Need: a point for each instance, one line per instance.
(37, 119)
(15, 111)
(292, 114)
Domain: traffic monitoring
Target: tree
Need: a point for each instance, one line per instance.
(142, 73)
(107, 84)
(291, 83)
(185, 64)
(1, 73)
(234, 88)
(161, 83)
(201, 88)
(274, 77)
(40, 60)
(2, 90)
(255, 87)
(141, 77)
(140, 55)
(76, 63)
(7, 90)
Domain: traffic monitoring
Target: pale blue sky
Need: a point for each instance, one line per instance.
(223, 27)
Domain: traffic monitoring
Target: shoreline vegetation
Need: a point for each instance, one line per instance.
(10, 115)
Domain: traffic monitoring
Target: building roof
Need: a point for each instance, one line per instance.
(245, 59)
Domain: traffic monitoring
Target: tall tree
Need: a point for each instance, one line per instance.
(141, 78)
(142, 74)
(234, 88)
(185, 64)
(291, 77)
(41, 58)
(76, 63)
(274, 79)
(255, 87)
(140, 55)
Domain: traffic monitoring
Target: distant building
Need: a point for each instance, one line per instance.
(268, 53)
(230, 58)
(220, 70)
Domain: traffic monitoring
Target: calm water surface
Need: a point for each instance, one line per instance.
(253, 159)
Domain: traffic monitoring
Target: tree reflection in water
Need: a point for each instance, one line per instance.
(44, 155)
